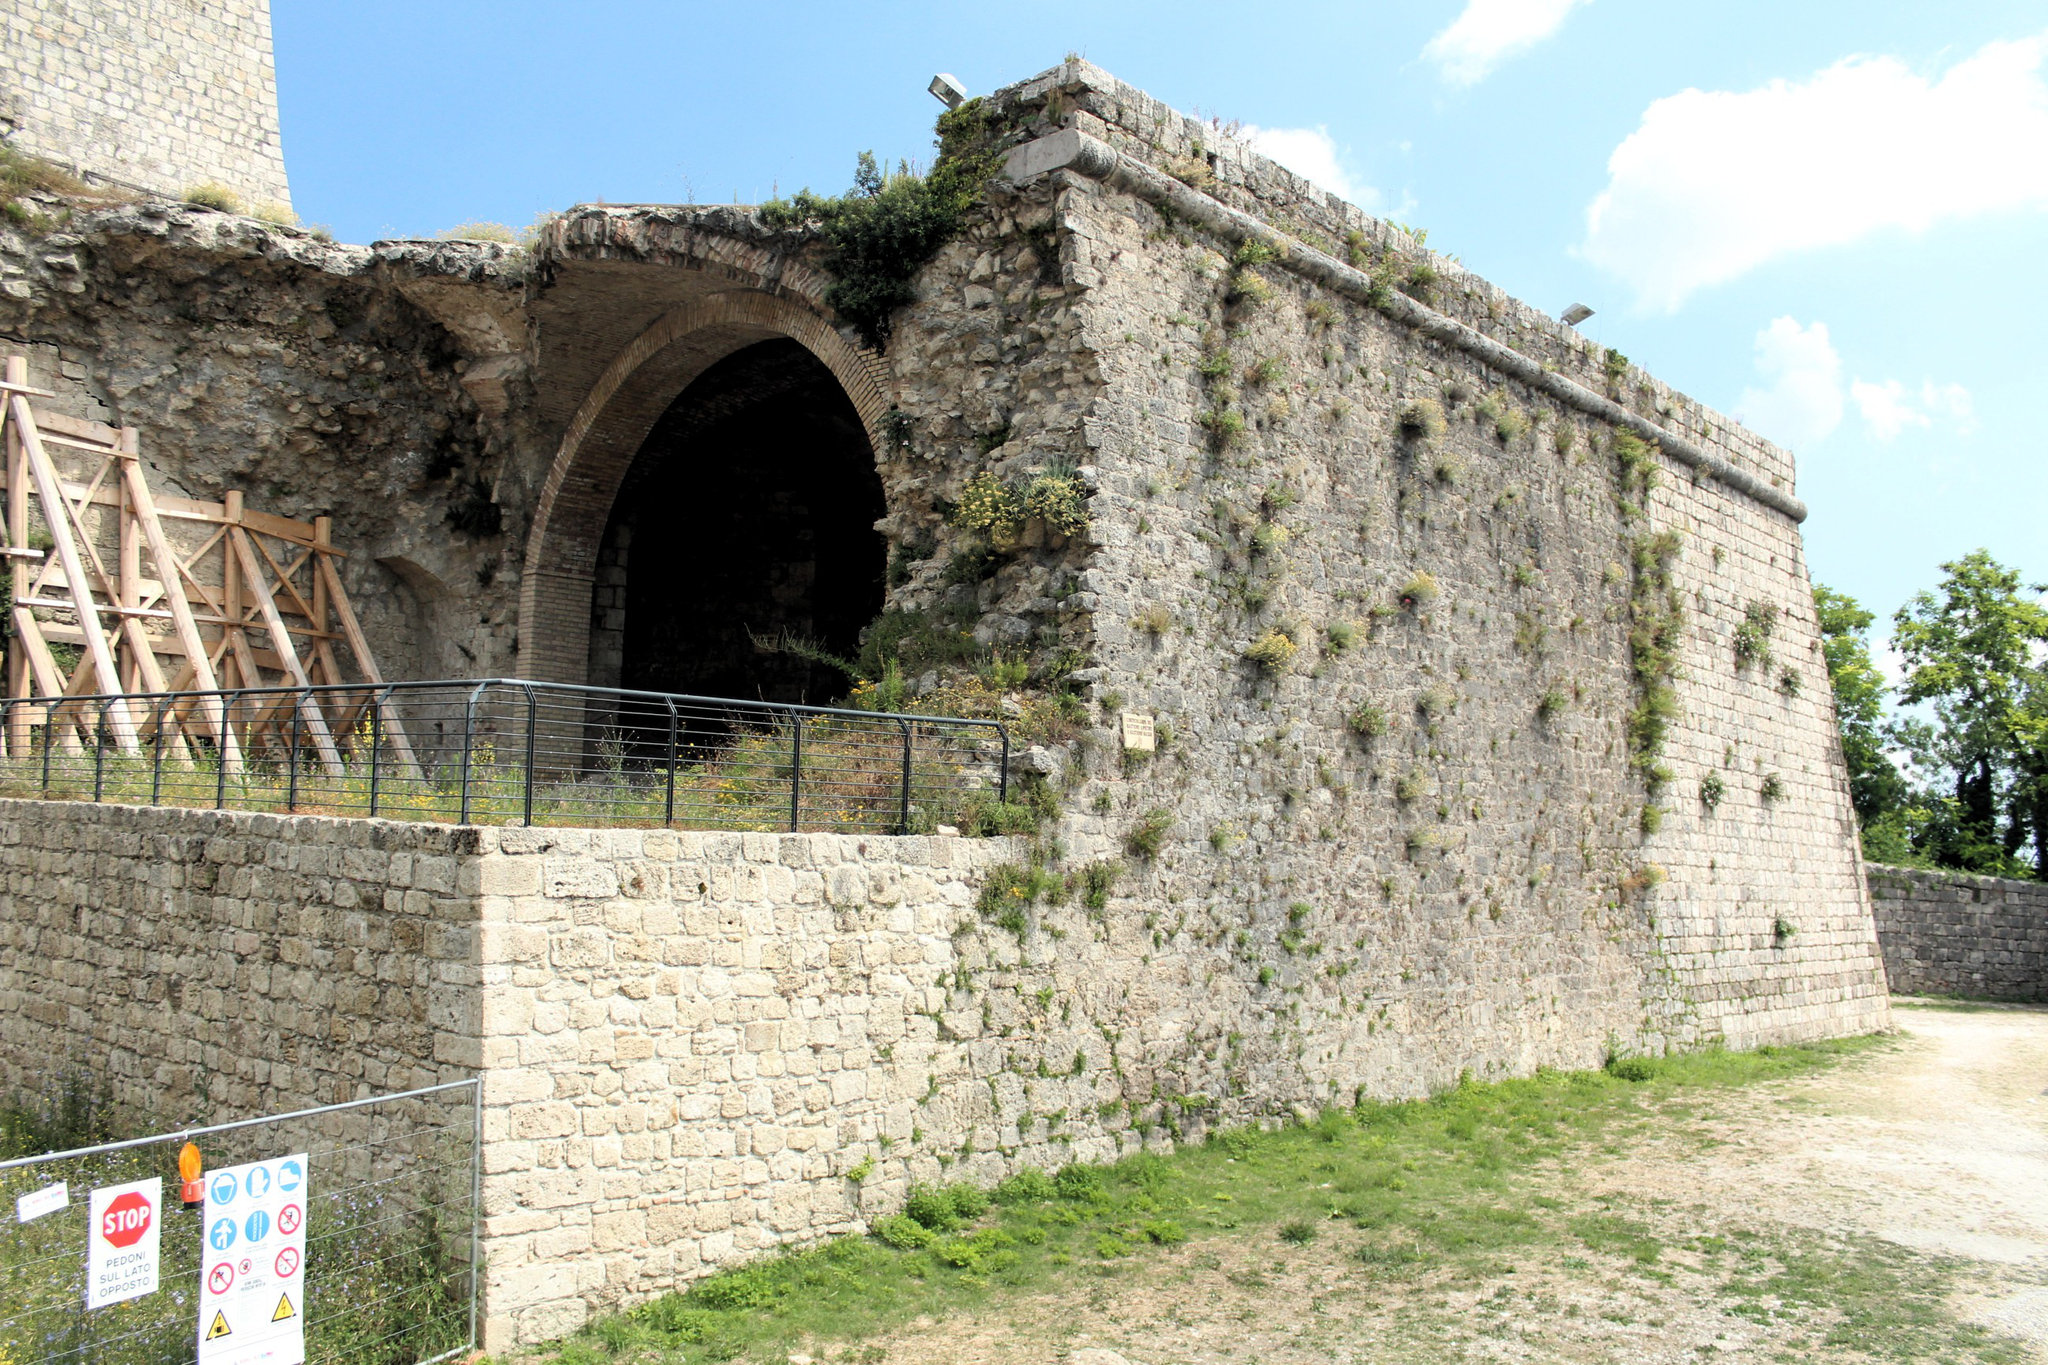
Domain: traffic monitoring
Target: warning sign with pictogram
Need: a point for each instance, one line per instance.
(121, 1258)
(252, 1272)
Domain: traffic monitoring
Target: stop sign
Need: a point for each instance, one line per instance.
(126, 1219)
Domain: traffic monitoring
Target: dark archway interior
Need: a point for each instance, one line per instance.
(747, 517)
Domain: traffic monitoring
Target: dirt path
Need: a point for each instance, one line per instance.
(1937, 1144)
(1941, 1146)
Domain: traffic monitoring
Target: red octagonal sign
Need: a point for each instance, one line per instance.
(126, 1220)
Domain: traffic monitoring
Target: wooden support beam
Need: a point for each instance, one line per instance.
(45, 476)
(281, 641)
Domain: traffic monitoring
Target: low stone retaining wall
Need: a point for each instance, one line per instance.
(697, 1047)
(1947, 933)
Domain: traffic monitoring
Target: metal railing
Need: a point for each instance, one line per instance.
(509, 751)
(390, 1260)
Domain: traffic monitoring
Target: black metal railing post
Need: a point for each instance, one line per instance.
(227, 728)
(1003, 774)
(99, 753)
(377, 706)
(532, 733)
(156, 759)
(668, 799)
(903, 805)
(291, 781)
(49, 730)
(469, 743)
(796, 766)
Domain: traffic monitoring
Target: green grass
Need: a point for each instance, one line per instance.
(1439, 1188)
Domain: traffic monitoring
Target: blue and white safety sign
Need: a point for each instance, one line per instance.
(252, 1273)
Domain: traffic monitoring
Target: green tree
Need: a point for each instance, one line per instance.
(1876, 786)
(1973, 653)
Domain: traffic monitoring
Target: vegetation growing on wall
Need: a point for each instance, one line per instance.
(881, 233)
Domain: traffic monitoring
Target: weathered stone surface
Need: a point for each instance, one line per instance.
(694, 1037)
(1947, 933)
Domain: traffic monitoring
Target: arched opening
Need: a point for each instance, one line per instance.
(746, 518)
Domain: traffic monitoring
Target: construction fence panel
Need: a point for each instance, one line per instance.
(389, 1271)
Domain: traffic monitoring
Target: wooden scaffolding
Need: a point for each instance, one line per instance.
(153, 594)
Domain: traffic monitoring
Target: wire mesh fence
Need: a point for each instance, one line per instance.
(499, 751)
(389, 1270)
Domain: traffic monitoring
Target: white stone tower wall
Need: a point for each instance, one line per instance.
(156, 95)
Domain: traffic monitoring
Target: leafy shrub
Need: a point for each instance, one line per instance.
(1341, 635)
(904, 1233)
(1225, 425)
(1550, 703)
(211, 195)
(1635, 1069)
(1436, 702)
(480, 230)
(272, 211)
(1772, 788)
(1712, 788)
(1367, 721)
(1266, 371)
(1268, 537)
(1410, 785)
(1153, 620)
(1081, 1182)
(1027, 1186)
(674, 1319)
(1057, 497)
(750, 1288)
(1272, 651)
(931, 1207)
(1098, 879)
(969, 1201)
(988, 504)
(1213, 364)
(1297, 1233)
(1164, 1231)
(1753, 635)
(1148, 836)
(881, 233)
(1419, 592)
(1782, 931)
(1422, 419)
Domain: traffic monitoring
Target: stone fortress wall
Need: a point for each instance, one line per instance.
(153, 95)
(1946, 933)
(1485, 884)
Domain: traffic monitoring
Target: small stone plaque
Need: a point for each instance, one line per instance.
(1139, 736)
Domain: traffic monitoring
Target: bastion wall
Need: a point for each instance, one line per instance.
(1460, 768)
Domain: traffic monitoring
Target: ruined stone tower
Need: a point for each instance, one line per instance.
(156, 95)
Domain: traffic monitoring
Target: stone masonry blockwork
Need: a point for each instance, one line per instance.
(1413, 839)
(1945, 933)
(156, 95)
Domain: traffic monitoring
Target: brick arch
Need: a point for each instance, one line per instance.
(606, 434)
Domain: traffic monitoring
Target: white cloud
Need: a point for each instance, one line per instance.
(1312, 154)
(1891, 407)
(1489, 32)
(1713, 184)
(1802, 398)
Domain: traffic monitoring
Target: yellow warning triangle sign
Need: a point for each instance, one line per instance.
(284, 1309)
(220, 1326)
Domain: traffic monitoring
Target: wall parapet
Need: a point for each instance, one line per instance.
(1950, 933)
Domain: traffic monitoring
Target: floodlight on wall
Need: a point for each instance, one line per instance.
(948, 91)
(1575, 314)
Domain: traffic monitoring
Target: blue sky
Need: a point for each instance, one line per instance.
(1827, 217)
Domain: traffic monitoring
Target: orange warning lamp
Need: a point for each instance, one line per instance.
(190, 1167)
